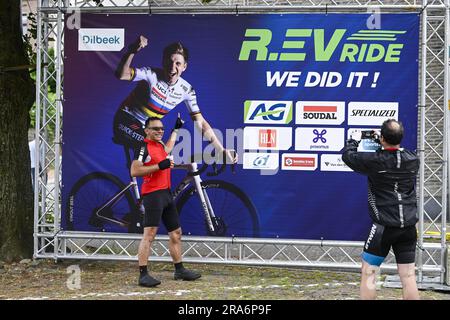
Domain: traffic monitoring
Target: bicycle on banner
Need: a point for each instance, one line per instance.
(211, 207)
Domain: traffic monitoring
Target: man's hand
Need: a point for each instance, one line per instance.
(179, 123)
(165, 164)
(140, 43)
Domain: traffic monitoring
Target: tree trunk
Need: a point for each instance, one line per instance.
(16, 98)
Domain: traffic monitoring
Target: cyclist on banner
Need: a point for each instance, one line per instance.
(156, 94)
(153, 163)
(391, 173)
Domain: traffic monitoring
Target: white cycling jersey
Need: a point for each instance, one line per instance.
(162, 97)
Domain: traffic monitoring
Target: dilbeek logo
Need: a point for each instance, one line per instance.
(101, 40)
(267, 112)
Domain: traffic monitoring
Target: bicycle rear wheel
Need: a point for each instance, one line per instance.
(89, 194)
(235, 213)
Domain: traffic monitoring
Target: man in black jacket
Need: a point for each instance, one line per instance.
(391, 173)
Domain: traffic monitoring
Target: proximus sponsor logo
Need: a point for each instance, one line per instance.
(96, 39)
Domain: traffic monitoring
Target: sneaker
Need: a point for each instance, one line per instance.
(186, 275)
(148, 281)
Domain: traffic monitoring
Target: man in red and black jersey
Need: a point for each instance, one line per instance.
(153, 164)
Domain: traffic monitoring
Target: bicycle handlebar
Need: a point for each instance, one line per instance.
(216, 171)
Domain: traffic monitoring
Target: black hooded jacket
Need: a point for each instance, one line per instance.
(391, 176)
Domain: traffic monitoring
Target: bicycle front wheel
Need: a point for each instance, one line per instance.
(91, 193)
(235, 214)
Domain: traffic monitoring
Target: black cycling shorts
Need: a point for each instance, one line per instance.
(380, 240)
(159, 204)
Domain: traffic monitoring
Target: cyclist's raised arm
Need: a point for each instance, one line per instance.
(203, 125)
(124, 70)
(173, 135)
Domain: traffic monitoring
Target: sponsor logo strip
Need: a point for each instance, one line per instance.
(371, 113)
(261, 161)
(319, 139)
(333, 162)
(320, 112)
(267, 138)
(299, 161)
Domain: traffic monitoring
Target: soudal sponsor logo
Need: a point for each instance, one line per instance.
(319, 139)
(297, 161)
(320, 112)
(267, 138)
(270, 112)
(96, 39)
(261, 161)
(371, 113)
(333, 162)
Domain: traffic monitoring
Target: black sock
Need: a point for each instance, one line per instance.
(142, 270)
(178, 266)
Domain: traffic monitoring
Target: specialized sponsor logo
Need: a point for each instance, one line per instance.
(371, 113)
(267, 138)
(299, 161)
(333, 162)
(270, 112)
(365, 145)
(95, 39)
(261, 161)
(319, 139)
(320, 112)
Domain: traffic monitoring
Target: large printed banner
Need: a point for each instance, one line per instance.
(285, 91)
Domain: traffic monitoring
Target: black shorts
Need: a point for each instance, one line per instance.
(380, 240)
(159, 204)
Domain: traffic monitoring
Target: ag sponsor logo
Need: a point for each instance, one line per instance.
(365, 145)
(261, 161)
(320, 112)
(333, 162)
(319, 139)
(270, 112)
(371, 113)
(267, 138)
(95, 39)
(299, 161)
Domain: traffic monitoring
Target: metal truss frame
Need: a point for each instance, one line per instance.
(50, 241)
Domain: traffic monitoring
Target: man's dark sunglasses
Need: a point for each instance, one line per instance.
(156, 128)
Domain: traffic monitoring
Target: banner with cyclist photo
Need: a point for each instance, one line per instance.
(284, 91)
